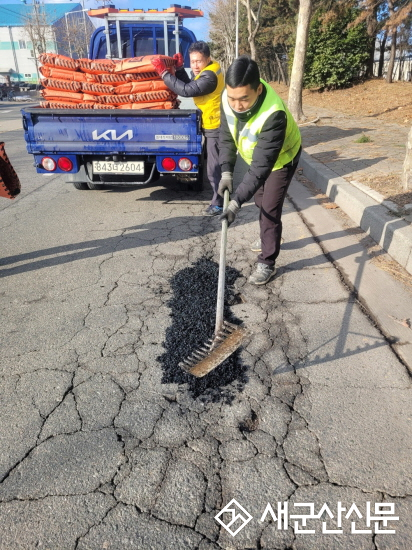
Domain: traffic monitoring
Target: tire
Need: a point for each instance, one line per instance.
(81, 185)
(95, 186)
(198, 185)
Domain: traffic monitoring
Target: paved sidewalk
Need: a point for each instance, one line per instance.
(340, 167)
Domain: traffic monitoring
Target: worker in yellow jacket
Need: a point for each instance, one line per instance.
(206, 87)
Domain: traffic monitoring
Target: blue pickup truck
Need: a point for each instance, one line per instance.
(93, 148)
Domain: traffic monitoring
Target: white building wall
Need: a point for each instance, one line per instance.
(23, 51)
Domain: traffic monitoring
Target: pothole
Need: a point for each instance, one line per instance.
(193, 311)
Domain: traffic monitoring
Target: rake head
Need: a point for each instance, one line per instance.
(215, 350)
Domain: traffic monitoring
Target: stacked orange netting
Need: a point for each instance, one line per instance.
(105, 84)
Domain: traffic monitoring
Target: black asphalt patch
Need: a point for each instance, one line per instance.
(193, 311)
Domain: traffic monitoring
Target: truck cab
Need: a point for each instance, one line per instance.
(140, 39)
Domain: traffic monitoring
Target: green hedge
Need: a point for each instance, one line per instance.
(336, 55)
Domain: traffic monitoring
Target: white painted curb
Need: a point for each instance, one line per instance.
(385, 227)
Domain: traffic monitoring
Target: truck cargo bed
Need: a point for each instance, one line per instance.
(128, 131)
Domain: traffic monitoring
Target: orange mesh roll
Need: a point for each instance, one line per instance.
(145, 86)
(116, 99)
(92, 98)
(154, 96)
(154, 105)
(97, 89)
(103, 106)
(142, 64)
(96, 66)
(56, 60)
(61, 96)
(112, 79)
(144, 76)
(68, 85)
(59, 74)
(68, 105)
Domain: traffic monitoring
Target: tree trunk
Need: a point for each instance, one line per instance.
(391, 63)
(280, 70)
(382, 47)
(252, 32)
(296, 78)
(249, 30)
(400, 65)
(407, 165)
(371, 28)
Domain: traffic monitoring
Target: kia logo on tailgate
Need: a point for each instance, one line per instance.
(112, 135)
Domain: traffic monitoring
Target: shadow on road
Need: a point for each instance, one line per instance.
(328, 133)
(152, 233)
(343, 347)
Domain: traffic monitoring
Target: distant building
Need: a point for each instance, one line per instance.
(55, 22)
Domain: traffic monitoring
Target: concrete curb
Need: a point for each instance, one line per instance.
(385, 227)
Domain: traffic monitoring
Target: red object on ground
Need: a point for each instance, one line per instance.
(9, 182)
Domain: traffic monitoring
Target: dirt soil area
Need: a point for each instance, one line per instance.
(389, 103)
(375, 98)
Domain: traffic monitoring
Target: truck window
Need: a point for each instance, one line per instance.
(137, 40)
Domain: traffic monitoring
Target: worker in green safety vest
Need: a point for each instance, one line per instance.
(257, 126)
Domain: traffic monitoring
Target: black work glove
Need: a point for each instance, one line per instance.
(226, 182)
(230, 213)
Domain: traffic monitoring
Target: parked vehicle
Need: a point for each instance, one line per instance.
(93, 148)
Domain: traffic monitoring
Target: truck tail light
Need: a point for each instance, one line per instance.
(185, 164)
(48, 164)
(168, 164)
(65, 164)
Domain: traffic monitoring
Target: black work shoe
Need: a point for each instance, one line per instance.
(262, 274)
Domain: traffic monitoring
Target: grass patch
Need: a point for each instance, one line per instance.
(363, 139)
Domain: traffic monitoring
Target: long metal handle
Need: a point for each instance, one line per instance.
(222, 269)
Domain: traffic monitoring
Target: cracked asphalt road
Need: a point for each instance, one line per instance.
(99, 451)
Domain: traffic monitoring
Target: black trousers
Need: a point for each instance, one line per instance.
(212, 164)
(269, 199)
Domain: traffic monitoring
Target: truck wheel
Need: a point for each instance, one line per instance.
(197, 185)
(95, 186)
(81, 185)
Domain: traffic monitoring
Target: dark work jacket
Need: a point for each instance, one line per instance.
(183, 85)
(265, 153)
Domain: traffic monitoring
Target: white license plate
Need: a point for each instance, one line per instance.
(110, 167)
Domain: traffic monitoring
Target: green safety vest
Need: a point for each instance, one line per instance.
(248, 137)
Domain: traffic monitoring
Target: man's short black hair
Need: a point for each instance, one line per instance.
(243, 71)
(200, 47)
